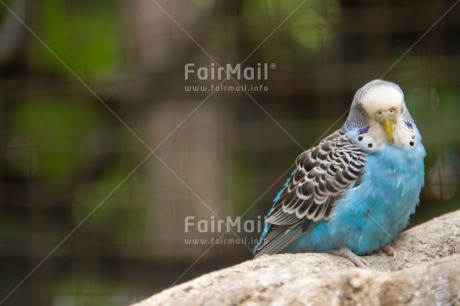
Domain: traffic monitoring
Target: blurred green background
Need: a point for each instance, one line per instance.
(89, 88)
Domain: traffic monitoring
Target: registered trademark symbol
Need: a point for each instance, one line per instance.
(273, 66)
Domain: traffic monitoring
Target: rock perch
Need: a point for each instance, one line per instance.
(426, 271)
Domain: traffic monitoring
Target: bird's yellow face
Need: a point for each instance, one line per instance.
(387, 119)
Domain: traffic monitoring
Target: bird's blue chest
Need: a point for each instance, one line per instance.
(373, 213)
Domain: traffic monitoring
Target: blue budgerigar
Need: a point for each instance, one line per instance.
(353, 193)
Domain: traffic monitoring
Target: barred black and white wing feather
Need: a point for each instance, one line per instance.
(323, 174)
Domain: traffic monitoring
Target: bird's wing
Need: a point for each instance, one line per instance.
(323, 173)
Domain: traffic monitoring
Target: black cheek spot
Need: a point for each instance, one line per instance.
(413, 137)
(370, 145)
(360, 138)
(411, 143)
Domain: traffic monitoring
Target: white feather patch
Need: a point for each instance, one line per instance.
(381, 97)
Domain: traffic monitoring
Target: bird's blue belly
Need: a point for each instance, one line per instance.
(372, 213)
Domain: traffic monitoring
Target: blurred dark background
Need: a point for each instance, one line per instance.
(89, 88)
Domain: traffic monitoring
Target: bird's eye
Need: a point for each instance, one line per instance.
(379, 116)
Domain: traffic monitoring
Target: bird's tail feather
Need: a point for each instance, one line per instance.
(278, 239)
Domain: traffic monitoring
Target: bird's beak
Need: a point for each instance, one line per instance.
(388, 126)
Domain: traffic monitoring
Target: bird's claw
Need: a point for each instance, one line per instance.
(355, 259)
(389, 250)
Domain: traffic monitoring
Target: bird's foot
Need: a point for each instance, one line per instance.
(355, 259)
(389, 250)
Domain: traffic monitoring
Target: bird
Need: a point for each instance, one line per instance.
(353, 193)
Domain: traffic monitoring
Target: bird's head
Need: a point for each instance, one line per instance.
(380, 105)
(383, 104)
